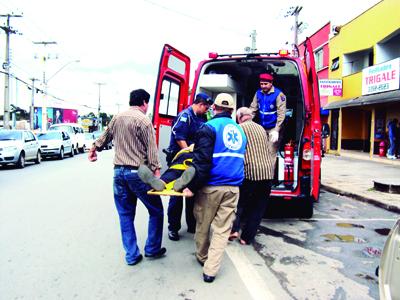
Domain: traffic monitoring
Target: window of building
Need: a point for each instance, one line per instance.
(319, 59)
(335, 64)
(355, 62)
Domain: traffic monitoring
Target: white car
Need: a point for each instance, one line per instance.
(75, 131)
(55, 143)
(18, 146)
(389, 267)
(89, 140)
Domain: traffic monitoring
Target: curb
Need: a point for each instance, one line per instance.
(361, 198)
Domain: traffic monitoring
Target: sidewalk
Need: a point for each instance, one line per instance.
(352, 174)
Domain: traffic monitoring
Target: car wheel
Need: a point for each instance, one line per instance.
(38, 159)
(61, 155)
(72, 151)
(82, 150)
(21, 161)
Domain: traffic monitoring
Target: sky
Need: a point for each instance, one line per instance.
(118, 43)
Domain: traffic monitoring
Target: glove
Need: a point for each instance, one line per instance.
(273, 136)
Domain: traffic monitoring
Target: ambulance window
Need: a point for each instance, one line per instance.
(176, 64)
(169, 99)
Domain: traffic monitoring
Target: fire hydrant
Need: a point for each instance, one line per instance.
(382, 149)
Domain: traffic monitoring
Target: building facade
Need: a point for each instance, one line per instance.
(365, 55)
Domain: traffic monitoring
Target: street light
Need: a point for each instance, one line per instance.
(45, 83)
(99, 107)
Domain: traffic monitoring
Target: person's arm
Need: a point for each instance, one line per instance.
(180, 130)
(280, 110)
(182, 144)
(254, 105)
(202, 157)
(149, 139)
(103, 140)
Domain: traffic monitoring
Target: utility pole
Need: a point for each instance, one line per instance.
(295, 11)
(6, 66)
(99, 107)
(253, 36)
(44, 104)
(32, 110)
(118, 105)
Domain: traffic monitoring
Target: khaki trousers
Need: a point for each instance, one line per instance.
(214, 210)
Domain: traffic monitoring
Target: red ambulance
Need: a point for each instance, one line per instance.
(298, 166)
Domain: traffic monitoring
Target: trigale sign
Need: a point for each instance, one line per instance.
(330, 87)
(381, 78)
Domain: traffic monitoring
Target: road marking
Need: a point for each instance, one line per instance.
(348, 220)
(249, 275)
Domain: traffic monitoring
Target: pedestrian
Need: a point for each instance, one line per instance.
(269, 105)
(218, 158)
(135, 143)
(392, 128)
(183, 131)
(259, 165)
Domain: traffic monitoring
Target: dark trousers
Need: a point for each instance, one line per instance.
(253, 201)
(175, 208)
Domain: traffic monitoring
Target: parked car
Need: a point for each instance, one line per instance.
(55, 143)
(97, 134)
(89, 140)
(389, 267)
(19, 146)
(76, 133)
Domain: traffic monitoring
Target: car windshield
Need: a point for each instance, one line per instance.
(62, 127)
(49, 136)
(6, 135)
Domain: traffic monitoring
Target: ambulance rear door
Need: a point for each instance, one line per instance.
(314, 102)
(172, 94)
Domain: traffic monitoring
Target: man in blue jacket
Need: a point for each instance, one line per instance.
(218, 158)
(183, 132)
(270, 104)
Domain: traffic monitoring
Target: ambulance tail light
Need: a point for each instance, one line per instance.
(307, 155)
(283, 52)
(212, 55)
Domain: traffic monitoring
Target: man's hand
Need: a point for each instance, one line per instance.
(157, 173)
(273, 136)
(187, 193)
(92, 156)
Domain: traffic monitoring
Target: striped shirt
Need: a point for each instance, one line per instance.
(134, 139)
(259, 163)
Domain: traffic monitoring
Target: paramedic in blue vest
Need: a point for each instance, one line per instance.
(218, 158)
(269, 105)
(183, 132)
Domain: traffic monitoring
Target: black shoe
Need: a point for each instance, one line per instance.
(208, 278)
(185, 179)
(160, 253)
(138, 260)
(192, 231)
(147, 176)
(173, 235)
(200, 262)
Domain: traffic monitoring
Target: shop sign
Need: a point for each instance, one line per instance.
(330, 87)
(381, 78)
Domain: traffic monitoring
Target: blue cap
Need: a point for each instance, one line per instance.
(204, 97)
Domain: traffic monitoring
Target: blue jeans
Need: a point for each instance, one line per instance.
(127, 189)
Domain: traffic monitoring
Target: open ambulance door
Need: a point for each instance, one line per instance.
(313, 93)
(172, 94)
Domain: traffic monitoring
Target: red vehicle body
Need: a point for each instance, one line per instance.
(237, 74)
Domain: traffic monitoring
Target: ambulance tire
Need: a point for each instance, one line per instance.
(307, 208)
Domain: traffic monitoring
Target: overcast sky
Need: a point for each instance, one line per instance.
(119, 42)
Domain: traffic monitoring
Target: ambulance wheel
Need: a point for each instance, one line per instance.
(307, 208)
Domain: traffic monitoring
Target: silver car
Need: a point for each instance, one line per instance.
(18, 146)
(55, 143)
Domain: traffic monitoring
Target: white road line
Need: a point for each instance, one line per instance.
(249, 275)
(348, 220)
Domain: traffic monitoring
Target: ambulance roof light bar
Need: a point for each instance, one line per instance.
(214, 55)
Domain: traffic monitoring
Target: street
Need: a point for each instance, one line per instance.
(60, 239)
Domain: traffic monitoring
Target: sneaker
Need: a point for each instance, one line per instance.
(147, 176)
(185, 179)
(173, 235)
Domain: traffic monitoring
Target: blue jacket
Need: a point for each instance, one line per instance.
(267, 108)
(184, 127)
(217, 157)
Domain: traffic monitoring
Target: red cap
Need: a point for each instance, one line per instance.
(266, 76)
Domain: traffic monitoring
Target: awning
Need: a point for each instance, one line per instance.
(392, 96)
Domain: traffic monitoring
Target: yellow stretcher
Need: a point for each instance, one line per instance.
(168, 191)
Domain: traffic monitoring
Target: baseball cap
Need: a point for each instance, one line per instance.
(224, 100)
(266, 77)
(204, 97)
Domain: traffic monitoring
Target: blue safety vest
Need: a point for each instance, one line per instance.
(267, 108)
(228, 156)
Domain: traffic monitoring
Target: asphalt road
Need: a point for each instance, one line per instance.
(60, 239)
